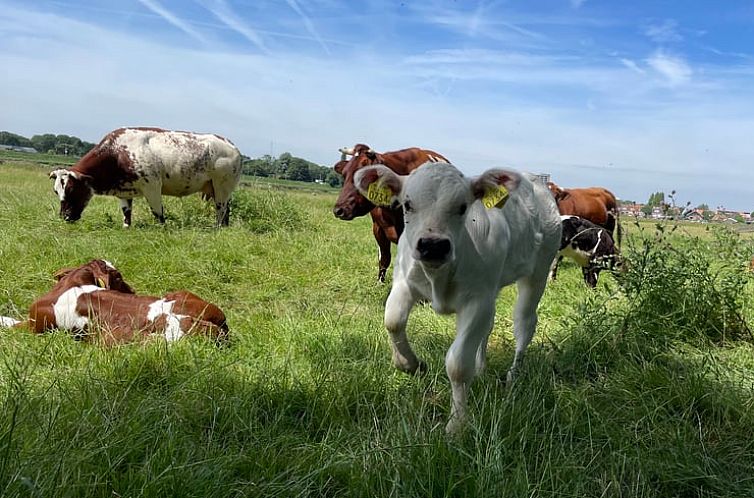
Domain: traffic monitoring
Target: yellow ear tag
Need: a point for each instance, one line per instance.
(101, 283)
(495, 197)
(379, 195)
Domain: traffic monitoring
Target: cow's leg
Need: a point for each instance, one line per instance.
(474, 323)
(153, 194)
(554, 267)
(591, 274)
(126, 206)
(223, 187)
(530, 290)
(398, 306)
(383, 251)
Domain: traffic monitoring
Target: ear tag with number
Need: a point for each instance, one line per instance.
(495, 197)
(101, 283)
(379, 194)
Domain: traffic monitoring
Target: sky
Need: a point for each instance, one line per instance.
(638, 97)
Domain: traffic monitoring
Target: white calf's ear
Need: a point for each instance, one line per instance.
(379, 184)
(493, 187)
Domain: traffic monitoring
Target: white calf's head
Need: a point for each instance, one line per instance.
(74, 192)
(436, 199)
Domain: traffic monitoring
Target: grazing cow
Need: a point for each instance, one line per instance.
(151, 162)
(459, 253)
(595, 204)
(589, 245)
(94, 302)
(387, 221)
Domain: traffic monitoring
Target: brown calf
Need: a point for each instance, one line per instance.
(595, 204)
(94, 303)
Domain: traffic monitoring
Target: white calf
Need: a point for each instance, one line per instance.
(459, 253)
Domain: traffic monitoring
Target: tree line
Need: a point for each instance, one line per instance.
(48, 143)
(290, 167)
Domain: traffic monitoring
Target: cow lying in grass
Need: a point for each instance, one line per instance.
(95, 303)
(458, 253)
(589, 245)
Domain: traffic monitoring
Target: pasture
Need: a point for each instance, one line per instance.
(642, 387)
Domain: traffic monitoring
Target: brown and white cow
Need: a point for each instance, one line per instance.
(595, 204)
(387, 222)
(151, 162)
(95, 303)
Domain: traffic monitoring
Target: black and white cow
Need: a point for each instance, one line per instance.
(459, 249)
(151, 162)
(589, 245)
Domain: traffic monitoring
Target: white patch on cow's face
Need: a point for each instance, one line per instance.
(435, 201)
(66, 316)
(61, 178)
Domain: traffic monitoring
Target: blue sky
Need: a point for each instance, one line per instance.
(635, 96)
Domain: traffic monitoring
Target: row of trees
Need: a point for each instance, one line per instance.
(290, 167)
(48, 143)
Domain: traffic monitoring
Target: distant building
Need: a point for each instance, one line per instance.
(543, 178)
(18, 148)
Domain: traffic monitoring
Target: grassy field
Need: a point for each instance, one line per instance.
(643, 387)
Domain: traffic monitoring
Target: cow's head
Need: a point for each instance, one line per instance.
(435, 203)
(351, 204)
(74, 190)
(556, 191)
(97, 272)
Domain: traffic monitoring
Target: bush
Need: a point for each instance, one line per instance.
(263, 211)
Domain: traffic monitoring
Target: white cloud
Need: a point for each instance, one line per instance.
(675, 70)
(664, 32)
(224, 13)
(632, 66)
(577, 3)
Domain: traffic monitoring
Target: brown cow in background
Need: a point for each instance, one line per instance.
(387, 223)
(595, 204)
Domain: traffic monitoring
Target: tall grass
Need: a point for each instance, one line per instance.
(642, 387)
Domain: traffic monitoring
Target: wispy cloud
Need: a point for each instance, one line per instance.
(308, 24)
(632, 66)
(224, 13)
(675, 70)
(664, 32)
(171, 18)
(577, 3)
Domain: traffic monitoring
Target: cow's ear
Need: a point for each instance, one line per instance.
(55, 173)
(339, 166)
(381, 185)
(58, 275)
(81, 176)
(493, 187)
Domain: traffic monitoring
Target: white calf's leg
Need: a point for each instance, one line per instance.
(530, 290)
(474, 323)
(398, 306)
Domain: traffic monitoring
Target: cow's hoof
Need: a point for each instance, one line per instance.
(455, 426)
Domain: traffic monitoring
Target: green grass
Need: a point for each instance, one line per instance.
(623, 392)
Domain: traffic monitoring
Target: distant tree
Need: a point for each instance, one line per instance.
(333, 179)
(707, 215)
(44, 143)
(298, 170)
(703, 207)
(656, 199)
(646, 209)
(8, 138)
